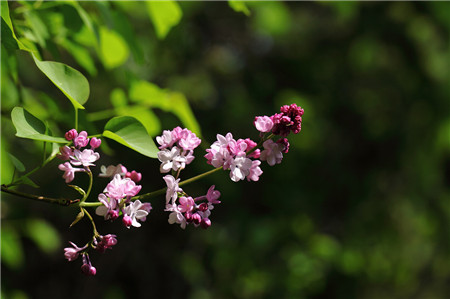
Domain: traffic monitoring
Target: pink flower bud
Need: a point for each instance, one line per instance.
(205, 223)
(113, 214)
(95, 142)
(203, 207)
(134, 176)
(71, 134)
(127, 221)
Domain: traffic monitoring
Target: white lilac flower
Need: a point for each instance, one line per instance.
(166, 140)
(240, 167)
(272, 152)
(136, 211)
(172, 188)
(109, 207)
(86, 157)
(255, 171)
(263, 123)
(172, 159)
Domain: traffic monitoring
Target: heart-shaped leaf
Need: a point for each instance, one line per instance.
(70, 81)
(28, 126)
(130, 132)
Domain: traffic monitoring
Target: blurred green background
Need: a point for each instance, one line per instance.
(360, 206)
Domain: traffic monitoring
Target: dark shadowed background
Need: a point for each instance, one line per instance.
(359, 207)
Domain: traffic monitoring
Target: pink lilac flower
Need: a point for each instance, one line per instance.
(255, 171)
(213, 195)
(95, 142)
(71, 134)
(186, 204)
(240, 167)
(172, 188)
(71, 253)
(86, 157)
(105, 242)
(250, 145)
(119, 188)
(134, 176)
(111, 171)
(263, 124)
(289, 120)
(69, 171)
(81, 140)
(65, 152)
(272, 152)
(136, 211)
(188, 140)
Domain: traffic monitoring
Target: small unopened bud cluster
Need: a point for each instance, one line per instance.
(187, 210)
(99, 243)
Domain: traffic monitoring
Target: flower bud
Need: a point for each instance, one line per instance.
(71, 134)
(127, 221)
(203, 207)
(205, 223)
(134, 176)
(95, 142)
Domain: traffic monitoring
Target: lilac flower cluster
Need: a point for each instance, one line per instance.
(235, 155)
(177, 148)
(117, 196)
(77, 156)
(185, 209)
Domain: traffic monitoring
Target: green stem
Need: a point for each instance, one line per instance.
(96, 234)
(76, 119)
(89, 172)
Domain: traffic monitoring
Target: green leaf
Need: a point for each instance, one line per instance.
(17, 164)
(149, 94)
(43, 234)
(113, 49)
(130, 132)
(164, 15)
(70, 81)
(12, 252)
(7, 166)
(4, 11)
(28, 126)
(239, 6)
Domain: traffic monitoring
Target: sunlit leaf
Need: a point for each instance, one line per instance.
(43, 234)
(28, 126)
(81, 55)
(130, 132)
(113, 49)
(70, 81)
(16, 162)
(146, 116)
(12, 252)
(239, 6)
(164, 15)
(174, 102)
